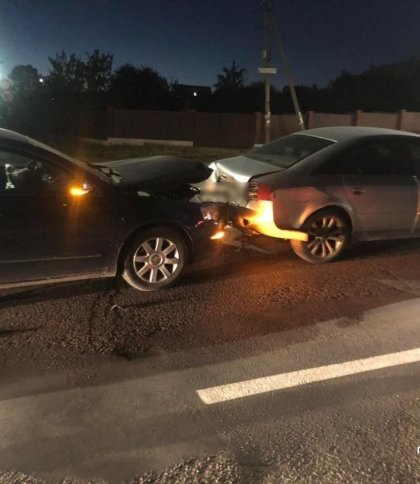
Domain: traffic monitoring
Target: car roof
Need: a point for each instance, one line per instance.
(8, 135)
(13, 136)
(344, 133)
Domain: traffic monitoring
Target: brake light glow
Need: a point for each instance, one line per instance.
(263, 222)
(260, 191)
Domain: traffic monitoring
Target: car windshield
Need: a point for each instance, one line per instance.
(286, 152)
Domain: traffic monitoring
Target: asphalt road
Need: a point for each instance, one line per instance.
(99, 382)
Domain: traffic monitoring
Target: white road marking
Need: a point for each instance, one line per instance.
(247, 388)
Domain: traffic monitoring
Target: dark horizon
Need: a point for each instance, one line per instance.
(192, 43)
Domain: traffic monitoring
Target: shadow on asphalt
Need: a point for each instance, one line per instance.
(248, 263)
(374, 249)
(51, 292)
(244, 261)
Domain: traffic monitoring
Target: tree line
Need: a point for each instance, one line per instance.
(29, 100)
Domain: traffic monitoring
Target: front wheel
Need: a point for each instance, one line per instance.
(328, 234)
(154, 259)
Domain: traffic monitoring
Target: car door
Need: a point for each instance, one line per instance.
(380, 185)
(49, 228)
(413, 147)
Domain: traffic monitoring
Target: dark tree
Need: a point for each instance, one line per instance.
(229, 90)
(67, 74)
(24, 109)
(75, 85)
(231, 78)
(73, 79)
(98, 75)
(98, 71)
(308, 96)
(381, 88)
(24, 79)
(138, 88)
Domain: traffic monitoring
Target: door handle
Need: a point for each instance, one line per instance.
(358, 190)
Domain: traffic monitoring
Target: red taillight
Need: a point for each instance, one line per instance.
(260, 191)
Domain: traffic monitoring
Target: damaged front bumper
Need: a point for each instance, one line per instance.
(208, 231)
(257, 218)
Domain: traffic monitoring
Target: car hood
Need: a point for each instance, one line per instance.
(241, 168)
(160, 172)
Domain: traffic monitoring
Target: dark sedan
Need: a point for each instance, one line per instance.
(61, 219)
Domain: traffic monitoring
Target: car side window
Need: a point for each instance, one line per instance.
(24, 175)
(414, 153)
(375, 158)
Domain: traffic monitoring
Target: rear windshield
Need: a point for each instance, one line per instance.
(288, 151)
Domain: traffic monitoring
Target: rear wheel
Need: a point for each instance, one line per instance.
(328, 234)
(154, 259)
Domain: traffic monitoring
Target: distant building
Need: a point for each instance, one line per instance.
(189, 95)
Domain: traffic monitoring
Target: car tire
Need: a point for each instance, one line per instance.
(154, 259)
(328, 235)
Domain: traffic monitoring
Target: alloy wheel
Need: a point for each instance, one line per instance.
(326, 236)
(156, 260)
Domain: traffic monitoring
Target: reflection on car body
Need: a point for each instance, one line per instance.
(61, 219)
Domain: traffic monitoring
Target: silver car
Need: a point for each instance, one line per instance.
(322, 187)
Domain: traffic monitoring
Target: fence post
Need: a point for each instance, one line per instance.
(400, 121)
(309, 119)
(110, 123)
(257, 118)
(357, 114)
(195, 115)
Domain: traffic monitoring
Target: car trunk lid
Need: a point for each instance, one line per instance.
(242, 169)
(231, 178)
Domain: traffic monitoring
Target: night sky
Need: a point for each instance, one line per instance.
(191, 40)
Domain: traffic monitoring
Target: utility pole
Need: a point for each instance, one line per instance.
(267, 65)
(270, 25)
(274, 27)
